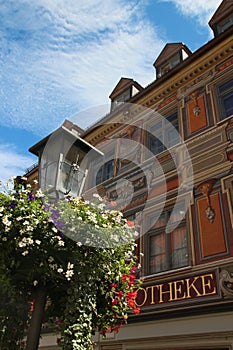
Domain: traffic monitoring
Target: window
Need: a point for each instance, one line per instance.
(105, 172)
(163, 134)
(121, 99)
(225, 24)
(104, 168)
(173, 61)
(167, 251)
(226, 99)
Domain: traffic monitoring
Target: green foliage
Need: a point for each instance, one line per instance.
(90, 286)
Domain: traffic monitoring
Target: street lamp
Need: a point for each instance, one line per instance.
(64, 159)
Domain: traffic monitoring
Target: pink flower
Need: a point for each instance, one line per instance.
(133, 269)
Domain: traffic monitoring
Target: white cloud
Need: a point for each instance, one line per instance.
(57, 57)
(12, 163)
(203, 10)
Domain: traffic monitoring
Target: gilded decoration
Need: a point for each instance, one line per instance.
(206, 188)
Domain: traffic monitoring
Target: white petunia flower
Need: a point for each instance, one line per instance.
(39, 194)
(30, 241)
(6, 221)
(69, 274)
(70, 266)
(26, 222)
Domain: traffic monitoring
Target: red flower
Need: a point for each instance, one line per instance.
(130, 303)
(120, 294)
(132, 278)
(124, 277)
(131, 295)
(116, 328)
(113, 285)
(130, 223)
(114, 301)
(136, 310)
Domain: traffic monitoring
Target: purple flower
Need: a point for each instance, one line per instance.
(46, 207)
(12, 205)
(127, 261)
(30, 197)
(59, 224)
(55, 215)
(61, 234)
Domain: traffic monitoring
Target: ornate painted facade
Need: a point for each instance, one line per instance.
(178, 190)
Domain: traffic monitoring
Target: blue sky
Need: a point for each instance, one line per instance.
(59, 57)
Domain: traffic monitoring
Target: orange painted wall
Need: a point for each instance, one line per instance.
(212, 237)
(197, 122)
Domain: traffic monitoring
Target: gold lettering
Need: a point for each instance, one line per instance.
(178, 290)
(196, 286)
(161, 292)
(145, 297)
(192, 286)
(206, 284)
(152, 302)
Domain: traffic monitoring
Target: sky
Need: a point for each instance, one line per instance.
(61, 57)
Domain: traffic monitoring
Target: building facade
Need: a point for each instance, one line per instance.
(168, 152)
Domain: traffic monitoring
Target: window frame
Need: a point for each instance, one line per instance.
(225, 24)
(169, 265)
(226, 92)
(99, 165)
(173, 118)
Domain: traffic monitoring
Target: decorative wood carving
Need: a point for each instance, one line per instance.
(226, 282)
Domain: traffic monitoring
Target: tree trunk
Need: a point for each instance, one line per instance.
(33, 336)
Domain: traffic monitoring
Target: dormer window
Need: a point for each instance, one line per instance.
(173, 61)
(171, 56)
(121, 98)
(222, 18)
(124, 90)
(225, 24)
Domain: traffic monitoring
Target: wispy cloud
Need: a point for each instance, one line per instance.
(202, 10)
(12, 163)
(59, 57)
